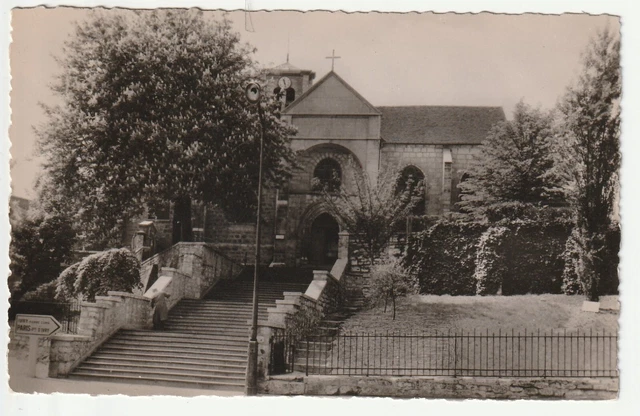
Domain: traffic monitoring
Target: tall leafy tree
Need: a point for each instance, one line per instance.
(516, 164)
(153, 109)
(591, 110)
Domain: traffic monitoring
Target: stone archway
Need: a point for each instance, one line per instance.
(323, 248)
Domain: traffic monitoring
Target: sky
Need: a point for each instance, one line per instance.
(391, 59)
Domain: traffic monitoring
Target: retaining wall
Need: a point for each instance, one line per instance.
(443, 387)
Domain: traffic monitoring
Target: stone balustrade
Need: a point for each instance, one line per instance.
(99, 320)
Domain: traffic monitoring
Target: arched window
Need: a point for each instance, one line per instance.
(327, 176)
(410, 178)
(290, 95)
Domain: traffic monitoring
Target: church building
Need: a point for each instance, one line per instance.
(337, 125)
(336, 128)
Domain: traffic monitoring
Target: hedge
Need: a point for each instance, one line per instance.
(523, 250)
(443, 257)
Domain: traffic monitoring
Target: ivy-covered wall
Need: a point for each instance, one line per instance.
(443, 257)
(527, 253)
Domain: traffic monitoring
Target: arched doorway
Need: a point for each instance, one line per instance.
(324, 240)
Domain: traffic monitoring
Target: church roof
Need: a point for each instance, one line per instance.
(438, 124)
(287, 66)
(331, 95)
(288, 69)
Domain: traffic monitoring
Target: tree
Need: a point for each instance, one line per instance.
(153, 109)
(115, 269)
(517, 164)
(39, 249)
(369, 211)
(591, 111)
(390, 281)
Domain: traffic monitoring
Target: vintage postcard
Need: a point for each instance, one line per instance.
(310, 204)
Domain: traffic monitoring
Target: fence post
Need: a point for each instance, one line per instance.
(455, 354)
(306, 369)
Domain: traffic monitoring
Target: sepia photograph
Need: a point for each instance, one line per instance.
(284, 203)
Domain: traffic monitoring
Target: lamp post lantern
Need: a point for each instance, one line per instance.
(253, 92)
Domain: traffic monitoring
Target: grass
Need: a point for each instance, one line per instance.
(493, 313)
(473, 335)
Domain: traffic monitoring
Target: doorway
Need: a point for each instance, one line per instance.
(324, 240)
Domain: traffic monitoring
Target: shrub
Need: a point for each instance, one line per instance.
(389, 281)
(115, 269)
(46, 292)
(443, 257)
(65, 284)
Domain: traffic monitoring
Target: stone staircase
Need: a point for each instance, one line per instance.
(204, 343)
(319, 347)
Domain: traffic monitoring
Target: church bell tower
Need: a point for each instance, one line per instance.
(289, 82)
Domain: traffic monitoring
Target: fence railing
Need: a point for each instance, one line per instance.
(480, 354)
(67, 313)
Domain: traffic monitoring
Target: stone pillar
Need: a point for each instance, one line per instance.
(264, 351)
(91, 319)
(137, 244)
(343, 245)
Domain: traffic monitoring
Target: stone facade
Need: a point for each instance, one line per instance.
(335, 122)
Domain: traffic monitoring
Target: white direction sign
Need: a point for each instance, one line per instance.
(38, 325)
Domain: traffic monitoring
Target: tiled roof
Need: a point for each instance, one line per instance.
(287, 67)
(438, 124)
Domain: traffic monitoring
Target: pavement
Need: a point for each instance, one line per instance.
(20, 383)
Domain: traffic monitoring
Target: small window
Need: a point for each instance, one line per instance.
(327, 176)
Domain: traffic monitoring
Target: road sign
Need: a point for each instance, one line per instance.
(37, 325)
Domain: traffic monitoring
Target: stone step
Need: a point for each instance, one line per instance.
(167, 360)
(232, 385)
(170, 336)
(193, 329)
(183, 375)
(204, 372)
(143, 354)
(212, 319)
(236, 351)
(187, 343)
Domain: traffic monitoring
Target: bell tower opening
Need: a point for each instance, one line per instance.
(288, 82)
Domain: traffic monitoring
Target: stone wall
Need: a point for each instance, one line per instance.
(98, 321)
(429, 159)
(202, 264)
(237, 239)
(18, 349)
(443, 387)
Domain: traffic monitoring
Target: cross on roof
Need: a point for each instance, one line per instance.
(333, 58)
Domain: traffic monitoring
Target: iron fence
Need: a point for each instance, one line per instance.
(481, 354)
(283, 352)
(67, 313)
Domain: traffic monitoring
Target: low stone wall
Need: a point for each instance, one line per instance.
(201, 263)
(443, 387)
(18, 349)
(98, 321)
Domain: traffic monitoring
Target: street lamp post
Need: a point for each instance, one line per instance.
(254, 95)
